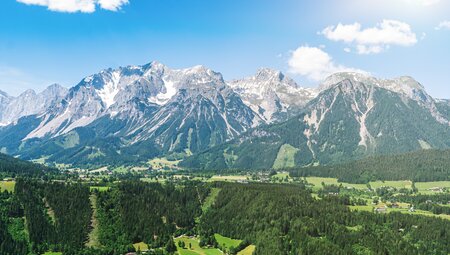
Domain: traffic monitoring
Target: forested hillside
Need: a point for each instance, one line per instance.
(286, 218)
(57, 215)
(151, 213)
(424, 165)
(13, 166)
(272, 218)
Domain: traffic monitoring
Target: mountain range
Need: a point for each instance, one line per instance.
(132, 114)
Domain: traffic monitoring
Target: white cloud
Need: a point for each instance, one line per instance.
(372, 40)
(86, 6)
(443, 25)
(315, 64)
(112, 5)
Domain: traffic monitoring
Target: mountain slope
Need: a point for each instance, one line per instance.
(347, 121)
(135, 113)
(5, 99)
(30, 103)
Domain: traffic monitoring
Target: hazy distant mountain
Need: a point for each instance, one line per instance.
(5, 99)
(31, 103)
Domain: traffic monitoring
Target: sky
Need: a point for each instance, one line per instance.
(62, 41)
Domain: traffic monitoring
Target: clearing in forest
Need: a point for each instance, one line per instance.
(247, 251)
(192, 247)
(285, 157)
(209, 201)
(7, 185)
(226, 243)
(93, 235)
(140, 246)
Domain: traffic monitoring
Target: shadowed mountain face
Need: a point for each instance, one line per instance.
(135, 113)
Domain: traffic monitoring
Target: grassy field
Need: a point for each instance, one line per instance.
(163, 163)
(226, 243)
(121, 170)
(248, 251)
(140, 246)
(425, 187)
(317, 183)
(285, 157)
(281, 176)
(229, 178)
(150, 180)
(403, 209)
(366, 208)
(52, 253)
(99, 188)
(394, 184)
(194, 248)
(40, 160)
(7, 185)
(210, 199)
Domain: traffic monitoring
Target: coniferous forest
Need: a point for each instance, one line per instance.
(424, 166)
(43, 216)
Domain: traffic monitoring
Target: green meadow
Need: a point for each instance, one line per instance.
(192, 247)
(7, 185)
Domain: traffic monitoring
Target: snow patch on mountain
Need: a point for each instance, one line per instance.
(163, 97)
(110, 89)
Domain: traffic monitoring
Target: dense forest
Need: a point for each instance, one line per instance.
(12, 236)
(10, 166)
(43, 216)
(286, 218)
(58, 215)
(148, 212)
(426, 165)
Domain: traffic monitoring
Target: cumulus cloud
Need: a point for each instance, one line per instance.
(86, 6)
(443, 25)
(315, 64)
(112, 5)
(372, 40)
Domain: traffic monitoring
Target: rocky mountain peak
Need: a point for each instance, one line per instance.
(404, 85)
(271, 94)
(55, 89)
(28, 93)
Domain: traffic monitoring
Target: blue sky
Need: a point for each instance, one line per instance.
(43, 44)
